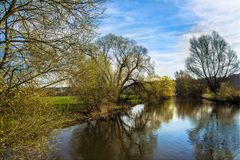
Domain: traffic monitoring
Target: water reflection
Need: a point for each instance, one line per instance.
(171, 130)
(217, 135)
(122, 138)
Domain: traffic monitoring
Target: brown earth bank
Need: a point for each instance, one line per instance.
(106, 113)
(234, 100)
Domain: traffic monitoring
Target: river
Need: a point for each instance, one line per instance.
(174, 129)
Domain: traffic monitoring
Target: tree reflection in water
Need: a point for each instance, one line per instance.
(212, 133)
(128, 136)
(215, 134)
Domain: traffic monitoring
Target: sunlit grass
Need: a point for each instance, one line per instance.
(62, 100)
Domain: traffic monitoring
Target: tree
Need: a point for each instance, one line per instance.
(39, 40)
(187, 86)
(129, 62)
(212, 58)
(158, 88)
(89, 83)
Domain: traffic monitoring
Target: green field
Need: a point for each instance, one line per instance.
(66, 103)
(73, 100)
(62, 100)
(73, 104)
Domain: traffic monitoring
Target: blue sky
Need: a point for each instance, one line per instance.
(165, 26)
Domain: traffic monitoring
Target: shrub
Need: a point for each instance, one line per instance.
(163, 87)
(25, 123)
(227, 92)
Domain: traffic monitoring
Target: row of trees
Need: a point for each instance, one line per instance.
(46, 42)
(187, 86)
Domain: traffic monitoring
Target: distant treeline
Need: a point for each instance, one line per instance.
(234, 80)
(195, 85)
(189, 87)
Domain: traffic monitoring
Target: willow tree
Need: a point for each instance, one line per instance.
(128, 62)
(89, 83)
(212, 58)
(38, 39)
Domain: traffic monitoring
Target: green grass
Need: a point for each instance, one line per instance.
(131, 99)
(66, 103)
(62, 100)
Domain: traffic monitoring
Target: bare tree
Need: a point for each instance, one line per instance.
(39, 38)
(128, 61)
(212, 58)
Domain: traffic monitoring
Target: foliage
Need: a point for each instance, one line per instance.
(213, 59)
(55, 100)
(25, 121)
(163, 87)
(187, 86)
(225, 93)
(39, 40)
(89, 85)
(128, 61)
(113, 64)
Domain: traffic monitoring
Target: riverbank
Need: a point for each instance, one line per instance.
(134, 135)
(25, 136)
(105, 113)
(77, 112)
(71, 110)
(234, 100)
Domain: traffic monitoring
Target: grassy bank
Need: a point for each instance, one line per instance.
(106, 112)
(223, 96)
(79, 112)
(130, 99)
(72, 102)
(32, 118)
(215, 98)
(62, 100)
(27, 119)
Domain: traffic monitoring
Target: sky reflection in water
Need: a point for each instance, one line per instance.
(173, 129)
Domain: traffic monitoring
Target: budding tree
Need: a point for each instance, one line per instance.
(38, 38)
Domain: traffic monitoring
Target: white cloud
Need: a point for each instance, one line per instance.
(222, 16)
(170, 47)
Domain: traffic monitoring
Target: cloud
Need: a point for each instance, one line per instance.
(164, 27)
(222, 16)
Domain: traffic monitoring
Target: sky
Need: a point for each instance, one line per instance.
(164, 27)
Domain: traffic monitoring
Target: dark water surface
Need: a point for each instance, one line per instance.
(179, 130)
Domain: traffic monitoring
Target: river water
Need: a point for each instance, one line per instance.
(174, 129)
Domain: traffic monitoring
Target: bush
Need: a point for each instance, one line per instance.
(163, 87)
(90, 85)
(25, 123)
(227, 92)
